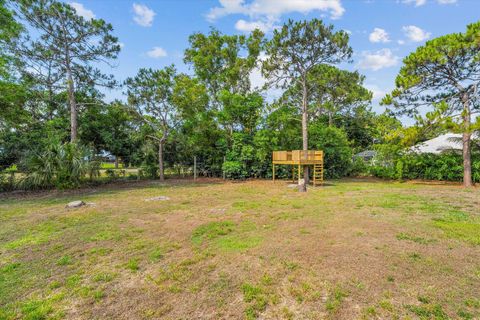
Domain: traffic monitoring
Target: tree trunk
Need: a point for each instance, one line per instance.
(330, 119)
(116, 162)
(73, 109)
(160, 160)
(467, 161)
(303, 186)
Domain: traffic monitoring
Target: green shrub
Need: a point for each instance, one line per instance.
(359, 167)
(240, 159)
(111, 173)
(60, 165)
(446, 166)
(384, 172)
(234, 170)
(149, 167)
(336, 148)
(132, 176)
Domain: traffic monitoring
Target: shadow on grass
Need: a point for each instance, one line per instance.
(117, 185)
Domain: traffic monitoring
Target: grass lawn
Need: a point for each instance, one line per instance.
(350, 250)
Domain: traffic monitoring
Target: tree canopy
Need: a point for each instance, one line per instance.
(293, 52)
(444, 75)
(57, 123)
(64, 54)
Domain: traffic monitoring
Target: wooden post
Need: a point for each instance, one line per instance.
(299, 174)
(11, 180)
(314, 175)
(273, 169)
(223, 171)
(195, 168)
(293, 174)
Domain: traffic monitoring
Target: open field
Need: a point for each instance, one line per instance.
(352, 249)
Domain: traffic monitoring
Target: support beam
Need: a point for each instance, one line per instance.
(314, 175)
(299, 173)
(273, 175)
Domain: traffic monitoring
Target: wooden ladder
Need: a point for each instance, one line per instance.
(318, 174)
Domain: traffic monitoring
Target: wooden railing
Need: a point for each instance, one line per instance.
(297, 155)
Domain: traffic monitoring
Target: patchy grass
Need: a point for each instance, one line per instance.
(463, 230)
(335, 299)
(421, 240)
(353, 249)
(256, 299)
(212, 231)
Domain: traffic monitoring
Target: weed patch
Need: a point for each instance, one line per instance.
(405, 236)
(335, 299)
(256, 299)
(211, 231)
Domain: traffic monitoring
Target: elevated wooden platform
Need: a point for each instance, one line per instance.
(300, 158)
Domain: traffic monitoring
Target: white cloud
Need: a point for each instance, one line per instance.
(417, 3)
(401, 42)
(157, 52)
(82, 11)
(377, 92)
(378, 35)
(248, 26)
(377, 60)
(256, 78)
(415, 34)
(143, 15)
(266, 12)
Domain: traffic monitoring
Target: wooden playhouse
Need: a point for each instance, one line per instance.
(300, 158)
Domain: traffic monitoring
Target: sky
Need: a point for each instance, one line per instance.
(155, 33)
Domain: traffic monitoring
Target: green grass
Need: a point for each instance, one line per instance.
(460, 225)
(65, 260)
(428, 311)
(133, 265)
(104, 277)
(37, 309)
(465, 231)
(108, 165)
(238, 242)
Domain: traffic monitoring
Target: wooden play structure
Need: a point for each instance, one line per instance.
(300, 158)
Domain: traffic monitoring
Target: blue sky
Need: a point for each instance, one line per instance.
(382, 32)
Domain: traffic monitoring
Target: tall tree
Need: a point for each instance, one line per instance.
(67, 49)
(293, 52)
(151, 91)
(224, 62)
(117, 132)
(444, 74)
(109, 127)
(198, 134)
(334, 90)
